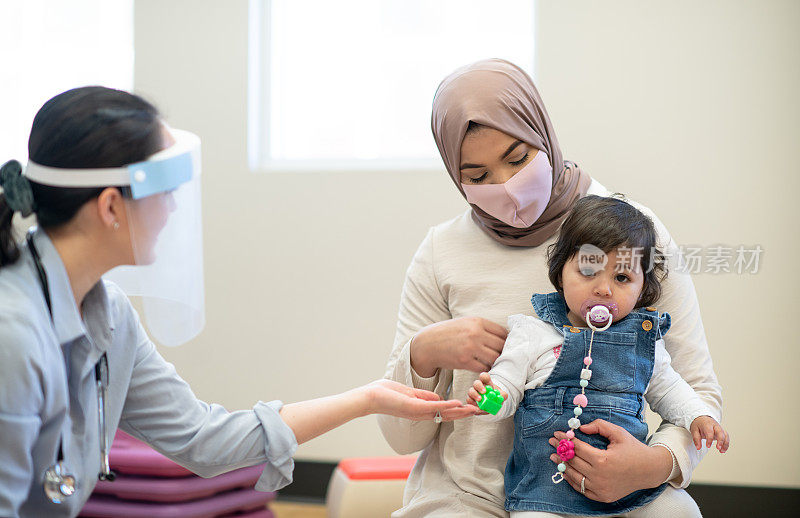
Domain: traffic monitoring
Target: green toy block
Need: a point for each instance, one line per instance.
(491, 401)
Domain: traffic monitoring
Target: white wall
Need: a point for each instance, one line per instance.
(688, 108)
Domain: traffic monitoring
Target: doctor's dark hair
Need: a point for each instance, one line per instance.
(88, 127)
(609, 223)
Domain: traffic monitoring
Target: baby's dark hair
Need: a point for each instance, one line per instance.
(609, 223)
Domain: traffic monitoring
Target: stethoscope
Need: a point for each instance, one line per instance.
(58, 482)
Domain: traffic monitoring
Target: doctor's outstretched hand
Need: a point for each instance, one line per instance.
(309, 419)
(392, 398)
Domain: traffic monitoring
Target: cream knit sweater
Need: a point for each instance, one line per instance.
(459, 271)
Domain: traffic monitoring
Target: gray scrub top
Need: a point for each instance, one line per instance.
(47, 390)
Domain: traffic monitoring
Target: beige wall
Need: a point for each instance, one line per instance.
(687, 107)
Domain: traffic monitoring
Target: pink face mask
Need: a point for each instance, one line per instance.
(522, 199)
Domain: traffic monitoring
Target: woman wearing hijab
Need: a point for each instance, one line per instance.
(472, 272)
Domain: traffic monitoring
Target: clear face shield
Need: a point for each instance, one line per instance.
(164, 218)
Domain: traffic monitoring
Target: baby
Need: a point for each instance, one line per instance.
(562, 368)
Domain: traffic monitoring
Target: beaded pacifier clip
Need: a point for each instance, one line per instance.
(595, 317)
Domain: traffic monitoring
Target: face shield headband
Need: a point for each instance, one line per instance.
(164, 171)
(164, 217)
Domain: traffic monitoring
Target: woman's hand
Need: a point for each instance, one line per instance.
(626, 466)
(392, 398)
(469, 343)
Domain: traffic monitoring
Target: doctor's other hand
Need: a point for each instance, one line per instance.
(468, 343)
(392, 398)
(475, 393)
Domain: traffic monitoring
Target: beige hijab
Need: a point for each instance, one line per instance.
(500, 95)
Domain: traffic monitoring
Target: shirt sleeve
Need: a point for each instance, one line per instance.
(687, 346)
(161, 409)
(669, 395)
(21, 405)
(510, 371)
(421, 303)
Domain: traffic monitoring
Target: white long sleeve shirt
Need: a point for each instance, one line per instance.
(459, 271)
(529, 356)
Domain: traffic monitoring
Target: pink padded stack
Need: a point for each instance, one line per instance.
(149, 485)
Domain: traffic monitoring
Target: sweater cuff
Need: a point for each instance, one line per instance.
(280, 447)
(418, 381)
(675, 468)
(424, 383)
(679, 442)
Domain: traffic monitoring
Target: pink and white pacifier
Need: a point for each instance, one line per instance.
(598, 318)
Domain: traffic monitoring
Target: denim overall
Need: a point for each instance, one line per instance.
(622, 363)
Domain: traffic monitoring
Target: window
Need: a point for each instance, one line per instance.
(47, 47)
(348, 84)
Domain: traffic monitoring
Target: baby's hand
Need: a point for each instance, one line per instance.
(479, 388)
(705, 427)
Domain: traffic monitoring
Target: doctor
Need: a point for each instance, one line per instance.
(110, 185)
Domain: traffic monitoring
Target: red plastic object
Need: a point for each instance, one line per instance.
(566, 449)
(155, 489)
(377, 468)
(222, 504)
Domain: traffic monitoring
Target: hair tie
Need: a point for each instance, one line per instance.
(17, 188)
